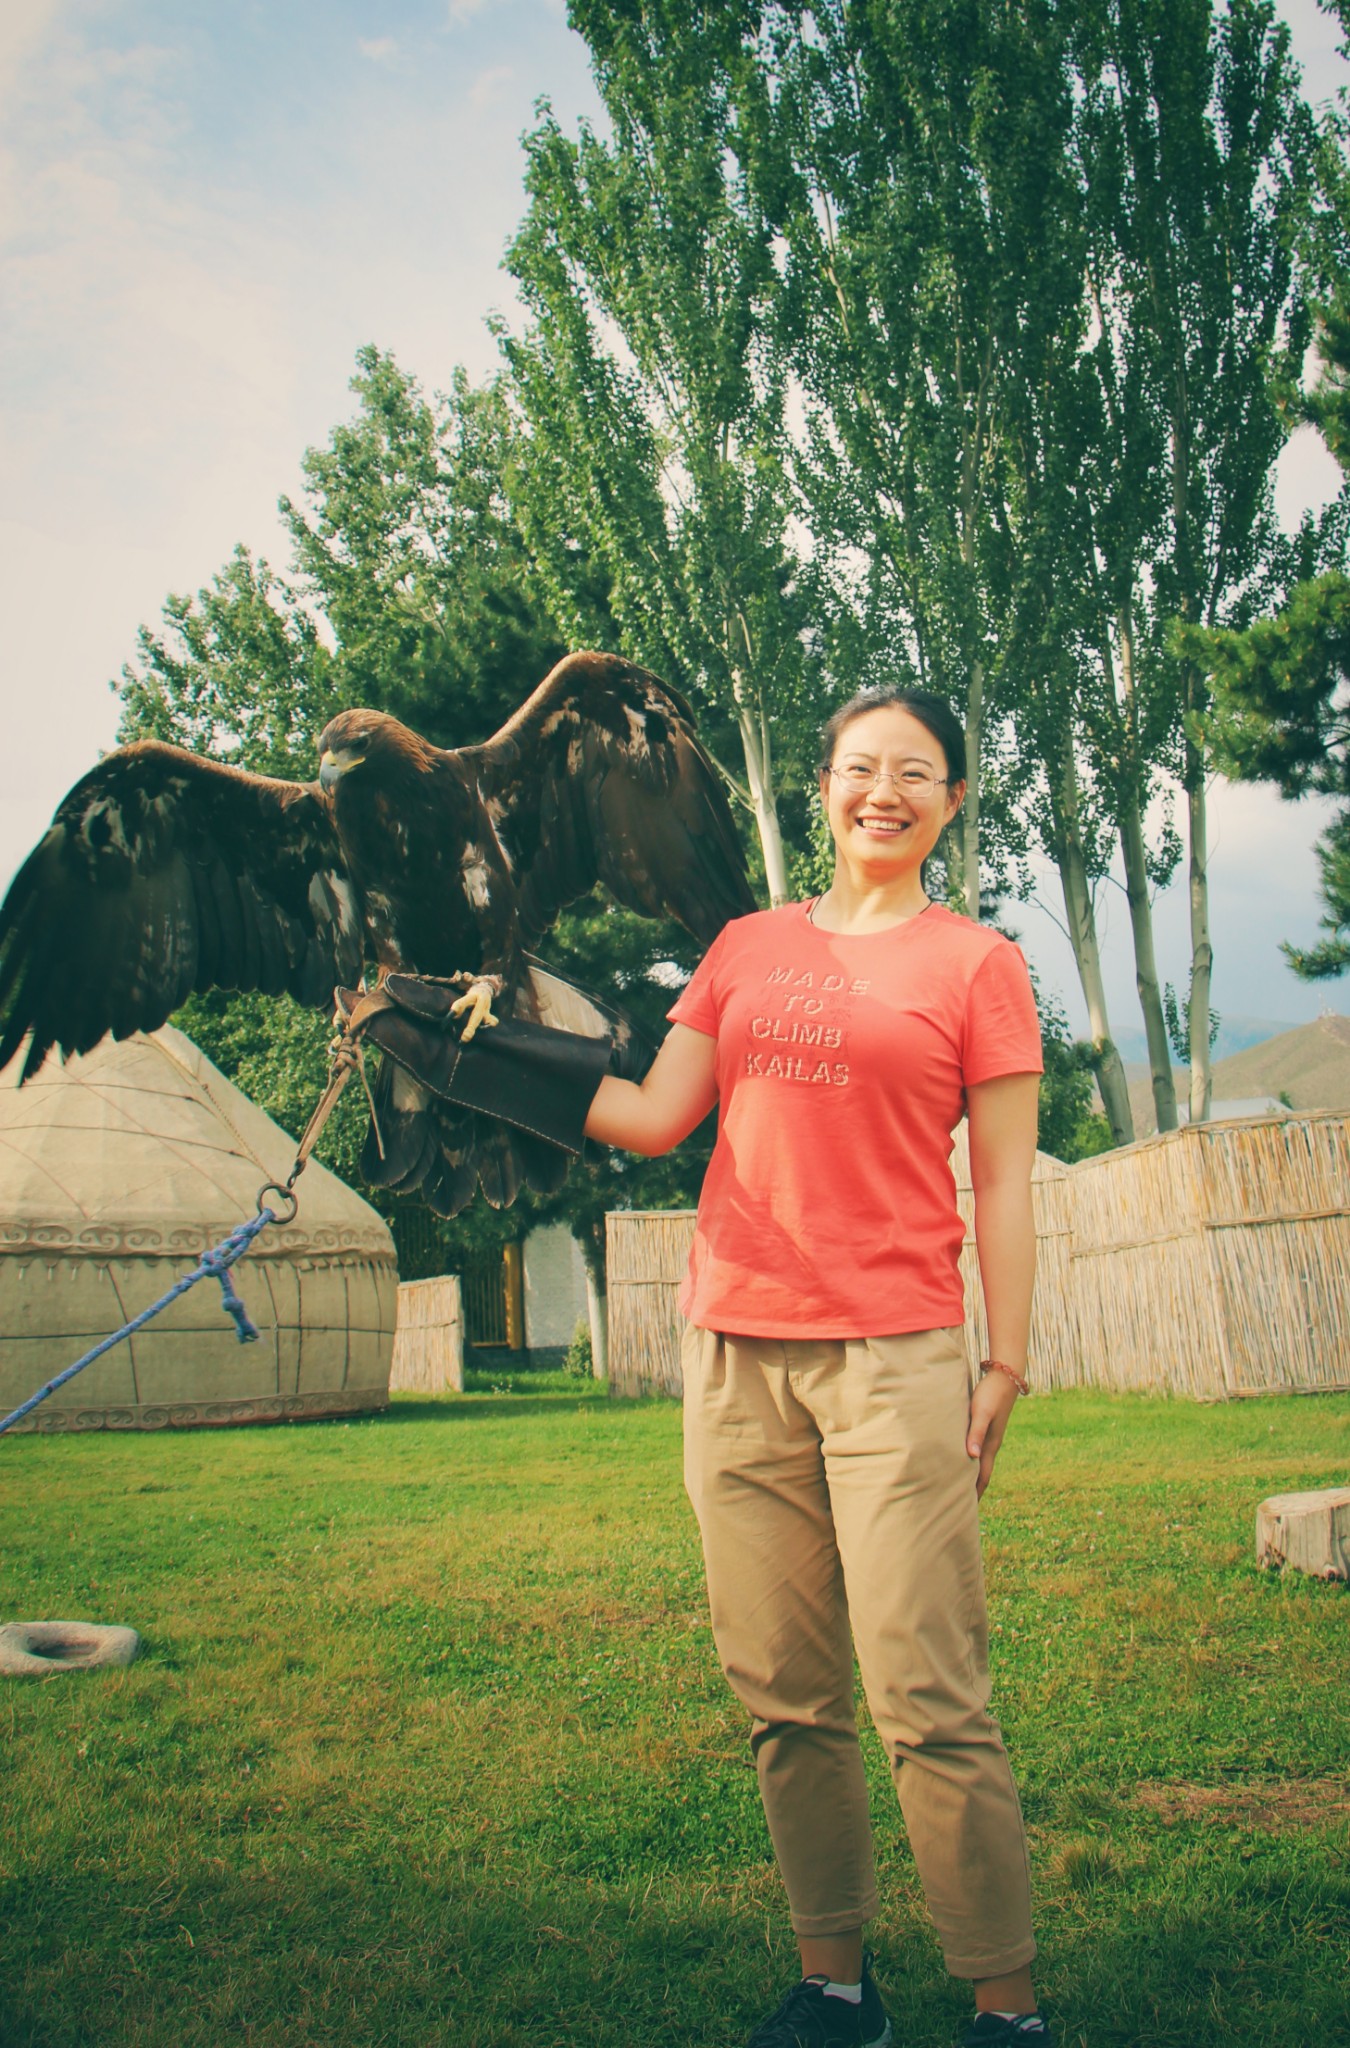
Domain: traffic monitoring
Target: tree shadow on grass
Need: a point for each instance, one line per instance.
(463, 1408)
(340, 1951)
(342, 1958)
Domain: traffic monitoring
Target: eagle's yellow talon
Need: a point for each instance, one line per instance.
(478, 1001)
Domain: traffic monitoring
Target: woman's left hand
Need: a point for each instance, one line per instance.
(991, 1404)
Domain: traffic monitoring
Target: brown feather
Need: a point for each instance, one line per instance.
(163, 873)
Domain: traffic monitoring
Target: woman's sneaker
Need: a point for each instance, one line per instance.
(991, 2030)
(808, 2018)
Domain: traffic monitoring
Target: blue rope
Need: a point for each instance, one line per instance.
(216, 1263)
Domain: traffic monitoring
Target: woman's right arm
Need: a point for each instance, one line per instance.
(653, 1115)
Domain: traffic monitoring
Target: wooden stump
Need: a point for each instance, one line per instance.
(1310, 1531)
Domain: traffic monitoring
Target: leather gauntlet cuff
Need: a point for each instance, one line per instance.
(528, 1074)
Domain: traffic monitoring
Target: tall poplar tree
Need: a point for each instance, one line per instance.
(910, 156)
(1282, 685)
(1051, 426)
(1196, 153)
(653, 395)
(916, 161)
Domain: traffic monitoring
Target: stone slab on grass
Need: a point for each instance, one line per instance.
(36, 1649)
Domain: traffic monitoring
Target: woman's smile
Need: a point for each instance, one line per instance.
(884, 828)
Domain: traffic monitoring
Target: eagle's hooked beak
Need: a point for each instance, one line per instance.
(332, 767)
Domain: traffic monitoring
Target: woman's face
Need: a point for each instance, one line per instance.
(892, 828)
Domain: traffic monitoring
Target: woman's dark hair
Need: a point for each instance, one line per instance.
(931, 712)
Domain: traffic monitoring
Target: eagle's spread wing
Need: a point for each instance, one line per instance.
(600, 777)
(162, 873)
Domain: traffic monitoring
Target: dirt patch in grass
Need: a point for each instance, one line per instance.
(1271, 1804)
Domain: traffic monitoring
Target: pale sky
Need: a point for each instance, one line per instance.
(204, 213)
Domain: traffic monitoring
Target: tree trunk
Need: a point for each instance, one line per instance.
(597, 1308)
(759, 774)
(1145, 963)
(591, 1239)
(1136, 887)
(1202, 952)
(1083, 934)
(970, 810)
(1310, 1531)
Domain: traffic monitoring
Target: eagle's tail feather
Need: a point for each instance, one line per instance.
(453, 1174)
(499, 1173)
(422, 1143)
(400, 1146)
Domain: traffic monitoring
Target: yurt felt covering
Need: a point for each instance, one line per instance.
(117, 1170)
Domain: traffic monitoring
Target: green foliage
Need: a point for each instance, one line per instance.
(911, 161)
(655, 399)
(1024, 271)
(1178, 1016)
(407, 545)
(640, 963)
(1281, 714)
(440, 1685)
(1332, 955)
(1068, 1126)
(410, 591)
(1282, 698)
(1196, 155)
(277, 1053)
(1282, 683)
(579, 1363)
(240, 671)
(812, 867)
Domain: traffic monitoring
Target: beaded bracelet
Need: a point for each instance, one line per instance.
(997, 1365)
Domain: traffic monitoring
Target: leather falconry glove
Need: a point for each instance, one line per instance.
(531, 1075)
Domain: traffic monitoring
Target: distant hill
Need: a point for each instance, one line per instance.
(1310, 1064)
(1235, 1035)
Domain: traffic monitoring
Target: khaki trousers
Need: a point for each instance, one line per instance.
(831, 1481)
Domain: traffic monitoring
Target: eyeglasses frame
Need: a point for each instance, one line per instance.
(891, 775)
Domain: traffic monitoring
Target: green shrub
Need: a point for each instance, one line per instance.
(579, 1362)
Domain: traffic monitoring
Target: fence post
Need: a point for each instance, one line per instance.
(513, 1287)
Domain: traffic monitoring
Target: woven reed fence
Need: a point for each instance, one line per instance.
(1053, 1343)
(1212, 1262)
(428, 1337)
(1215, 1261)
(646, 1253)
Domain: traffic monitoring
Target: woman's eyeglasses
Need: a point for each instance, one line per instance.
(915, 782)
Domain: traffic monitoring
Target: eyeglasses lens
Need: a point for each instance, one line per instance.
(915, 782)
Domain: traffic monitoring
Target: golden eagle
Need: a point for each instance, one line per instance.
(163, 872)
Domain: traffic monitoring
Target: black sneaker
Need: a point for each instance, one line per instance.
(1028, 2030)
(808, 2019)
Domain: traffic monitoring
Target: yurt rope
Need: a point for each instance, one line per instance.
(217, 1262)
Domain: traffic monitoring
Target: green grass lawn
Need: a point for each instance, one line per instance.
(427, 1742)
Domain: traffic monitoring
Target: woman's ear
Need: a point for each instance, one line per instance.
(956, 795)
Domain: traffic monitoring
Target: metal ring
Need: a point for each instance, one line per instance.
(274, 1187)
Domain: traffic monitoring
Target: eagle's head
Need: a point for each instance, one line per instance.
(354, 738)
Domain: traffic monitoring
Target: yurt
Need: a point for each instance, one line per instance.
(117, 1170)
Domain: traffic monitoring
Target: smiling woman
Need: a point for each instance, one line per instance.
(892, 776)
(834, 1450)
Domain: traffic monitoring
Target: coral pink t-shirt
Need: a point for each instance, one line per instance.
(829, 1206)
